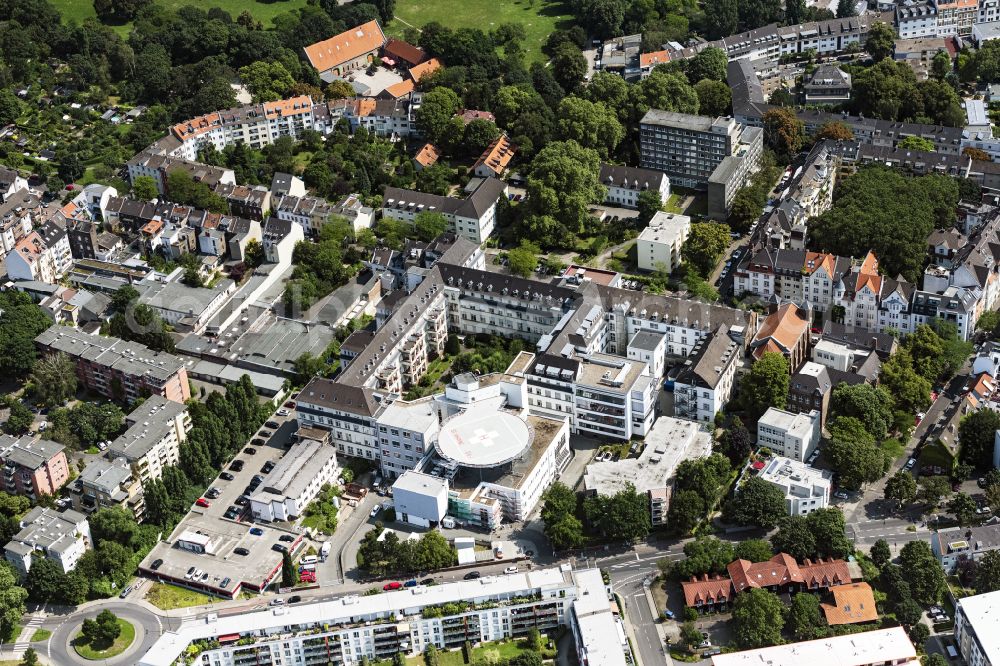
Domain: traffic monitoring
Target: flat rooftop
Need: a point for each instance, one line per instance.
(870, 647)
(684, 120)
(609, 373)
(983, 613)
(483, 437)
(668, 442)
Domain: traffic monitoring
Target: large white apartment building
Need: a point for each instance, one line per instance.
(61, 536)
(152, 439)
(806, 488)
(351, 628)
(917, 18)
(705, 383)
(976, 629)
(881, 647)
(787, 434)
(658, 247)
(624, 184)
(473, 217)
(295, 481)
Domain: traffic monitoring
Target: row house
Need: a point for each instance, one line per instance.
(248, 202)
(17, 214)
(473, 217)
(312, 213)
(43, 255)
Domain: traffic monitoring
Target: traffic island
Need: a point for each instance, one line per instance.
(96, 648)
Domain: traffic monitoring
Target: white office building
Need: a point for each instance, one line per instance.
(658, 247)
(295, 481)
(420, 499)
(791, 435)
(806, 488)
(624, 184)
(62, 537)
(976, 621)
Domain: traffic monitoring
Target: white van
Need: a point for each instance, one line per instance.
(324, 551)
(309, 559)
(448, 522)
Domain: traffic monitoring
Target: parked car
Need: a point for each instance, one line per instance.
(376, 510)
(266, 433)
(156, 564)
(294, 599)
(190, 572)
(241, 551)
(286, 537)
(410, 583)
(277, 602)
(669, 614)
(510, 570)
(226, 476)
(279, 547)
(427, 581)
(273, 424)
(290, 404)
(250, 451)
(125, 592)
(236, 465)
(394, 585)
(841, 495)
(202, 502)
(283, 412)
(231, 513)
(213, 493)
(256, 531)
(101, 446)
(910, 463)
(225, 582)
(472, 575)
(268, 466)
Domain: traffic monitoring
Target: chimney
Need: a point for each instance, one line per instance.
(806, 562)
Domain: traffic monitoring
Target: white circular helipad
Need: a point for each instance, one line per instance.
(483, 438)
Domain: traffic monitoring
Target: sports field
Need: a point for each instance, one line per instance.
(539, 17)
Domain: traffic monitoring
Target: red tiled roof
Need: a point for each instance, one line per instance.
(707, 591)
(425, 68)
(779, 570)
(346, 46)
(852, 604)
(408, 53)
(825, 573)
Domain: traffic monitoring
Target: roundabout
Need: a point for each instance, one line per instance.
(139, 630)
(100, 648)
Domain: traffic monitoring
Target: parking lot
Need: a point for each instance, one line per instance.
(234, 548)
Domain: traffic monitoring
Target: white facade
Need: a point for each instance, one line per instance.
(880, 647)
(420, 499)
(649, 348)
(917, 18)
(833, 355)
(625, 184)
(405, 432)
(976, 629)
(806, 489)
(152, 441)
(658, 247)
(793, 436)
(62, 537)
(295, 481)
(705, 384)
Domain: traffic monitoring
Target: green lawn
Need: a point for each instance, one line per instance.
(506, 650)
(40, 635)
(265, 12)
(539, 17)
(168, 597)
(120, 645)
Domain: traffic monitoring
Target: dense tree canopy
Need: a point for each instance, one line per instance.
(766, 385)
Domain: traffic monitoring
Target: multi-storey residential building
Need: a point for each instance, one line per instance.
(348, 412)
(118, 369)
(473, 217)
(295, 481)
(658, 247)
(351, 628)
(32, 467)
(917, 18)
(963, 544)
(32, 259)
(791, 435)
(82, 236)
(108, 483)
(10, 182)
(869, 648)
(695, 151)
(829, 85)
(347, 52)
(157, 162)
(62, 537)
(668, 443)
(786, 332)
(806, 489)
(809, 390)
(405, 432)
(956, 17)
(624, 184)
(17, 213)
(495, 160)
(705, 383)
(598, 635)
(152, 440)
(648, 347)
(975, 629)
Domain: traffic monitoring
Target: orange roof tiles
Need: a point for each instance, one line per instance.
(414, 55)
(425, 68)
(196, 126)
(152, 227)
(427, 155)
(346, 46)
(292, 106)
(30, 246)
(817, 260)
(781, 330)
(825, 573)
(868, 274)
(498, 156)
(707, 591)
(851, 604)
(779, 570)
(653, 59)
(397, 90)
(983, 385)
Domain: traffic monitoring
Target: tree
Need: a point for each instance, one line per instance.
(795, 12)
(845, 9)
(29, 658)
(881, 41)
(523, 259)
(721, 18)
(827, 527)
(649, 204)
(119, 10)
(687, 507)
(562, 183)
(709, 63)
(901, 487)
(804, 616)
(933, 489)
(757, 502)
(288, 576)
(565, 533)
(12, 598)
(399, 659)
(435, 179)
(909, 390)
(765, 385)
(54, 379)
(563, 529)
(917, 143)
(758, 618)
(690, 635)
(919, 633)
(20, 417)
(144, 187)
(753, 550)
(704, 555)
(623, 516)
(923, 572)
(880, 553)
(936, 659)
(266, 81)
(568, 66)
(590, 124)
(429, 226)
(714, 97)
(10, 107)
(705, 243)
(976, 433)
(435, 113)
(794, 537)
(834, 130)
(908, 612)
(988, 573)
(941, 65)
(870, 405)
(784, 133)
(854, 453)
(253, 255)
(963, 507)
(982, 156)
(431, 655)
(478, 135)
